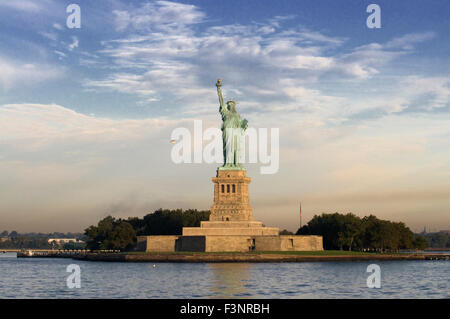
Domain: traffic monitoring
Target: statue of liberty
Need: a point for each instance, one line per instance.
(233, 129)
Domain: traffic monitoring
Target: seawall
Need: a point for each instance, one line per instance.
(247, 257)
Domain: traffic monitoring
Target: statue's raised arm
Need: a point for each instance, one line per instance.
(223, 109)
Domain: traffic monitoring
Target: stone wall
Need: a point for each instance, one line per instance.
(301, 243)
(267, 243)
(230, 224)
(230, 231)
(288, 243)
(160, 243)
(229, 243)
(191, 243)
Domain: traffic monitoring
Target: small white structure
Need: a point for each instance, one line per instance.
(60, 241)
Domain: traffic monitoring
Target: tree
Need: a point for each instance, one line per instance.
(170, 222)
(370, 237)
(4, 233)
(286, 232)
(98, 234)
(351, 225)
(123, 236)
(349, 232)
(111, 234)
(420, 242)
(406, 236)
(339, 231)
(163, 222)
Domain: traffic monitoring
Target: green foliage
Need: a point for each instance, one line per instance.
(122, 237)
(121, 234)
(420, 242)
(286, 232)
(111, 234)
(170, 222)
(350, 232)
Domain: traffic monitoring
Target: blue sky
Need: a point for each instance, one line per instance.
(36, 34)
(87, 112)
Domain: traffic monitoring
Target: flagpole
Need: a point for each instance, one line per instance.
(300, 214)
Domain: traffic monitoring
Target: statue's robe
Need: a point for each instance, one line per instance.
(232, 135)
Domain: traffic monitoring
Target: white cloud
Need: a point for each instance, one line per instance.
(19, 73)
(158, 16)
(417, 94)
(122, 19)
(406, 42)
(22, 5)
(74, 44)
(49, 35)
(60, 54)
(57, 26)
(434, 91)
(161, 59)
(47, 122)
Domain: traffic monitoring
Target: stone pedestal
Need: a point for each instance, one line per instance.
(231, 213)
(231, 199)
(231, 227)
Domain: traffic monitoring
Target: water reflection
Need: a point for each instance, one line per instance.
(230, 279)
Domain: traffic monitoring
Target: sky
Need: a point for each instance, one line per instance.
(86, 114)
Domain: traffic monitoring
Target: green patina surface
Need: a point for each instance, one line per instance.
(233, 128)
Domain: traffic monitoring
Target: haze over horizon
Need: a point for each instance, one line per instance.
(86, 114)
